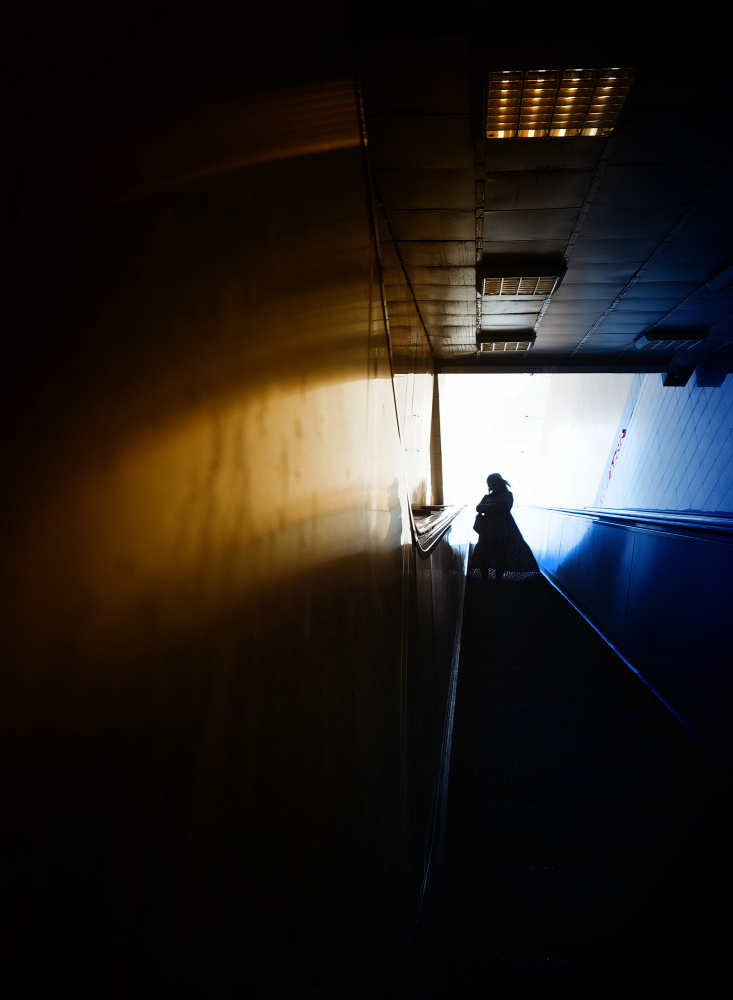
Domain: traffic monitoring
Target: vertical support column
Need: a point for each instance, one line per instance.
(436, 450)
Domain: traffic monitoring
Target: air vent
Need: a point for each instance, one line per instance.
(505, 346)
(489, 343)
(651, 343)
(517, 287)
(529, 104)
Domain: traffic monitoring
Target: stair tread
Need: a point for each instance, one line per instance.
(581, 814)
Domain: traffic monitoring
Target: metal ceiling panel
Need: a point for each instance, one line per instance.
(544, 154)
(427, 142)
(705, 310)
(448, 295)
(639, 306)
(442, 307)
(451, 330)
(554, 342)
(651, 185)
(541, 189)
(585, 312)
(629, 252)
(663, 290)
(706, 222)
(431, 275)
(439, 253)
(400, 308)
(520, 226)
(654, 136)
(574, 331)
(643, 312)
(614, 347)
(720, 189)
(432, 296)
(410, 188)
(580, 292)
(692, 272)
(510, 307)
(621, 324)
(614, 274)
(507, 320)
(431, 224)
(539, 247)
(716, 250)
(621, 223)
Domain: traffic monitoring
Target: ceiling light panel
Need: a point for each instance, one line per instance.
(534, 103)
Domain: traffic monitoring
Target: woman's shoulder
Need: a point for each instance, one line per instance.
(503, 500)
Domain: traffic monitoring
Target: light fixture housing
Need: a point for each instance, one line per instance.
(527, 104)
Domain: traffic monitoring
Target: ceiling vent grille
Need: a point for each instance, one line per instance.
(505, 346)
(529, 104)
(516, 287)
(499, 344)
(650, 343)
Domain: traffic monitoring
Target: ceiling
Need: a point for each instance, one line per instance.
(641, 218)
(639, 221)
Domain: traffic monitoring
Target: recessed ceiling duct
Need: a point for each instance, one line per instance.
(515, 291)
(517, 287)
(529, 104)
(505, 341)
(661, 343)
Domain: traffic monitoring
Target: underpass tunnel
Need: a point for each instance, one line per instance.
(233, 583)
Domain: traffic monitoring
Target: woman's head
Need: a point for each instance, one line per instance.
(496, 482)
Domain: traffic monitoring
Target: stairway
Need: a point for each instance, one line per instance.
(588, 834)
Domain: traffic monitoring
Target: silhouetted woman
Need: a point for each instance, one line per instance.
(501, 552)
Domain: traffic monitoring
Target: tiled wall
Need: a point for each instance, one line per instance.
(678, 450)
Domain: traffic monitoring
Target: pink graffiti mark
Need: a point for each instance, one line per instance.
(621, 436)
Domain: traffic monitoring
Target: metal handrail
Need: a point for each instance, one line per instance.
(718, 526)
(430, 528)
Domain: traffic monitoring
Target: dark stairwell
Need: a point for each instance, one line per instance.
(588, 833)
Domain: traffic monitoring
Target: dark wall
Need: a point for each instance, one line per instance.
(225, 670)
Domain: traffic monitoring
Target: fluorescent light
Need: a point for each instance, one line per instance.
(535, 103)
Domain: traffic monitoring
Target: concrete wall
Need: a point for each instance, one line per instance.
(224, 668)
